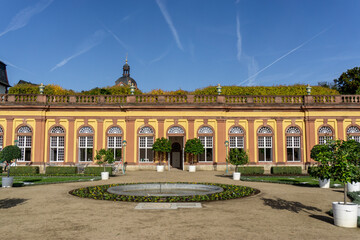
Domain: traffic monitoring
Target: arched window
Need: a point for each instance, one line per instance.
(24, 143)
(353, 132)
(293, 144)
(146, 140)
(325, 134)
(1, 138)
(176, 130)
(206, 138)
(114, 141)
(236, 137)
(265, 144)
(57, 143)
(86, 144)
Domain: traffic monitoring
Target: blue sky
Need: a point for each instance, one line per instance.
(172, 44)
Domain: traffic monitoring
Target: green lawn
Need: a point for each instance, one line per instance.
(296, 180)
(37, 180)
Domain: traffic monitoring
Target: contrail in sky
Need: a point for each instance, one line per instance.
(22, 18)
(238, 35)
(117, 38)
(170, 23)
(285, 55)
(87, 45)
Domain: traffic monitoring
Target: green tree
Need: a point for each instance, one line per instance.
(162, 146)
(194, 148)
(238, 157)
(337, 160)
(8, 154)
(349, 81)
(104, 157)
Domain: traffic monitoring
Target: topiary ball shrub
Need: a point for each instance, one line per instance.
(230, 192)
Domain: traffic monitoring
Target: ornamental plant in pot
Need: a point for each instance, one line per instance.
(238, 157)
(104, 157)
(354, 157)
(194, 147)
(340, 157)
(321, 154)
(7, 155)
(161, 146)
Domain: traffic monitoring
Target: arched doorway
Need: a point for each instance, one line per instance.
(176, 155)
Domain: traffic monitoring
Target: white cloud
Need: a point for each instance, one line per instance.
(22, 18)
(168, 20)
(84, 47)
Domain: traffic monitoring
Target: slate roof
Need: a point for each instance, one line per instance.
(3, 76)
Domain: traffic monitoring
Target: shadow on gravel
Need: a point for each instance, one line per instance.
(11, 202)
(322, 218)
(291, 206)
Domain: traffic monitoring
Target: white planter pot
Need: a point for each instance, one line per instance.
(7, 181)
(353, 187)
(160, 168)
(324, 183)
(345, 215)
(236, 175)
(192, 168)
(104, 175)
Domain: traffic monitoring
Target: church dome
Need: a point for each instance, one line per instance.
(125, 80)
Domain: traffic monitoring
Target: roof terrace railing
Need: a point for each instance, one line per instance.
(177, 99)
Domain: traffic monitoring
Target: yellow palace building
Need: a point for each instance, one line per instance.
(274, 130)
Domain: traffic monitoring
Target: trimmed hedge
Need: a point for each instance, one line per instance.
(286, 170)
(24, 171)
(251, 170)
(61, 170)
(96, 171)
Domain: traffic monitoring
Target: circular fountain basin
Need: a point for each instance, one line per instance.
(165, 189)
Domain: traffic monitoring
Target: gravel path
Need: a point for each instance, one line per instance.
(279, 212)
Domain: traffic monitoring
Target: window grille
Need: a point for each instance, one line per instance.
(236, 130)
(86, 130)
(146, 130)
(24, 129)
(236, 142)
(265, 130)
(205, 130)
(353, 129)
(293, 130)
(176, 130)
(325, 130)
(57, 129)
(114, 130)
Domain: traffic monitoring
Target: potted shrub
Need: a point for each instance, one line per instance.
(194, 148)
(104, 157)
(338, 161)
(354, 157)
(321, 154)
(7, 155)
(238, 157)
(161, 146)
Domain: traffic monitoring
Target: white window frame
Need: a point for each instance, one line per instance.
(265, 142)
(291, 143)
(115, 143)
(59, 147)
(24, 143)
(207, 142)
(146, 142)
(89, 144)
